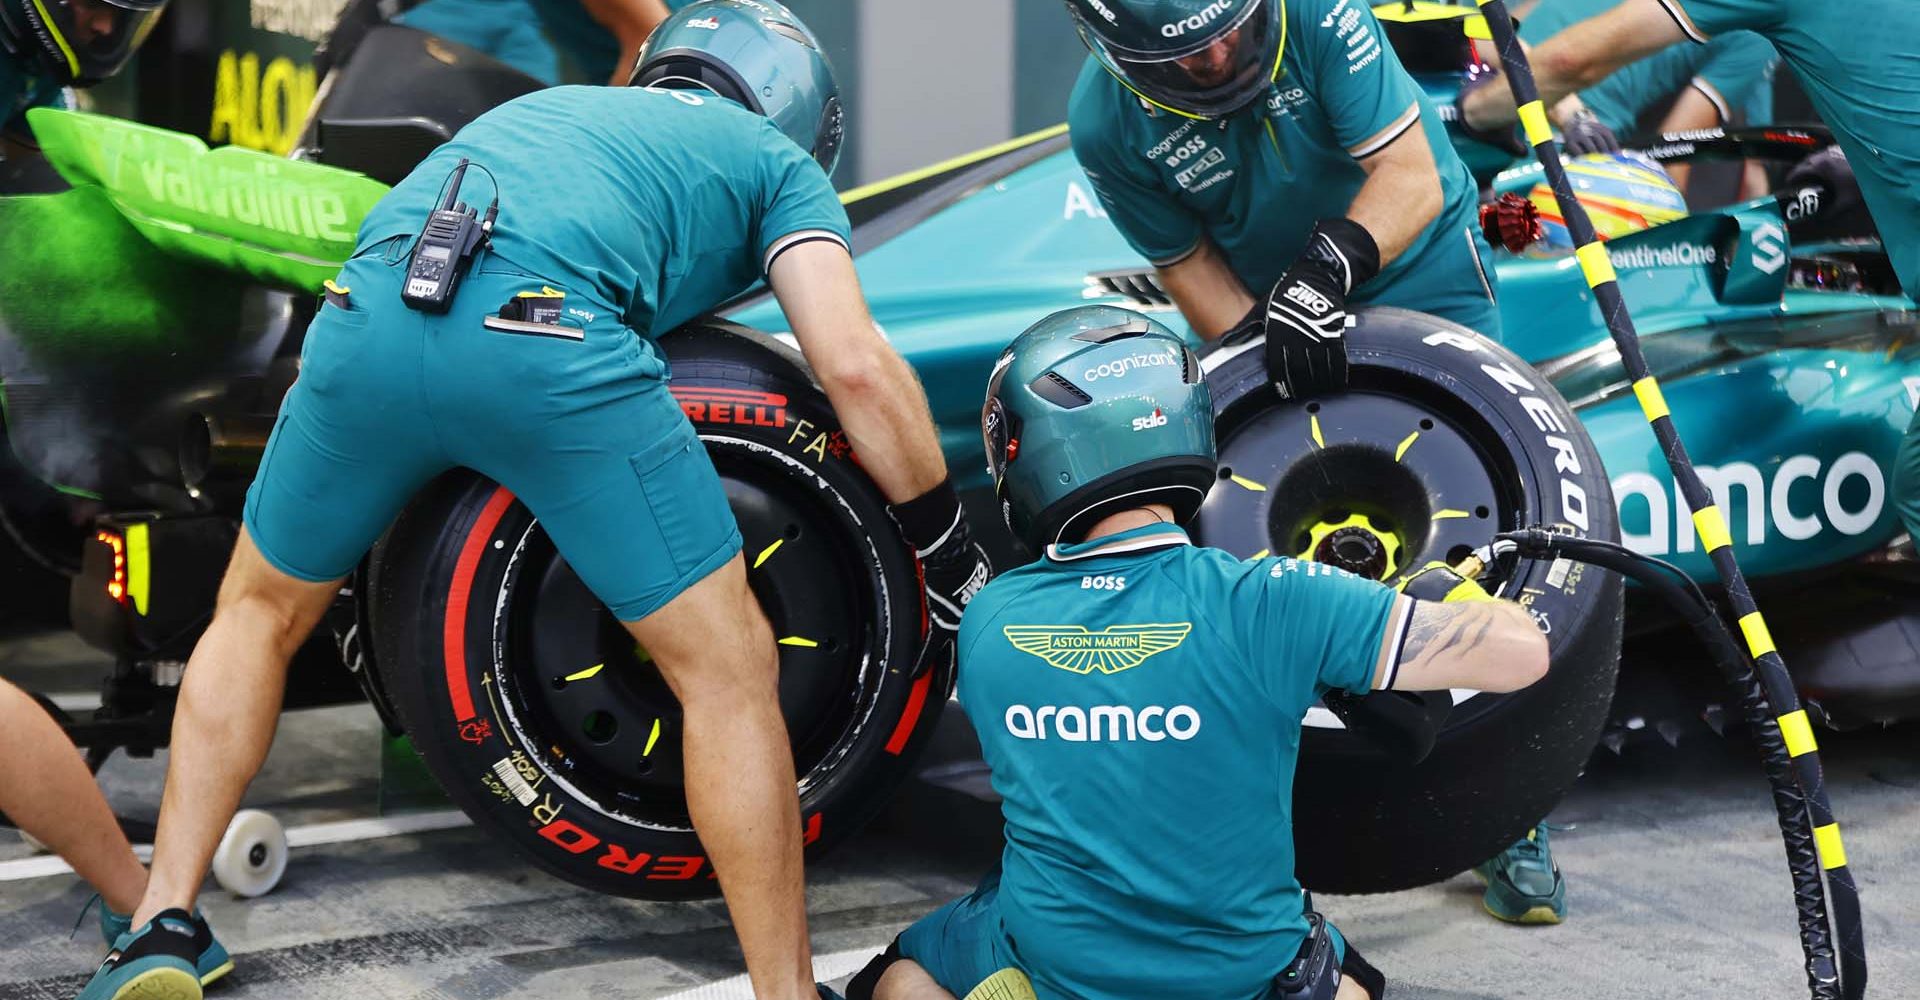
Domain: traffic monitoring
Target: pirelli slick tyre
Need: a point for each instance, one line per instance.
(1442, 439)
(540, 718)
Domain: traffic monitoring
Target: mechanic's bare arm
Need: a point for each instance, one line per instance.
(1580, 56)
(1484, 645)
(1207, 291)
(1402, 194)
(1569, 106)
(1693, 109)
(630, 22)
(873, 391)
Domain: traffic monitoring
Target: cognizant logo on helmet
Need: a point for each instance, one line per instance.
(1197, 21)
(1119, 368)
(1103, 723)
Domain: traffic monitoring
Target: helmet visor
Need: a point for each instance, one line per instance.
(96, 37)
(1217, 75)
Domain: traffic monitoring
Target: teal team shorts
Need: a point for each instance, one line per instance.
(576, 422)
(964, 942)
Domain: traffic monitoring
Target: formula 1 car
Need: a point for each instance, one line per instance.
(147, 339)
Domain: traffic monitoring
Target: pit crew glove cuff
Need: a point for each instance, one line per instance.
(1436, 581)
(1306, 313)
(953, 567)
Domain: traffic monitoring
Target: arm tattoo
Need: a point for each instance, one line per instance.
(1438, 630)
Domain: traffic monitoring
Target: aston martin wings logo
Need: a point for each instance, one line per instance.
(1110, 650)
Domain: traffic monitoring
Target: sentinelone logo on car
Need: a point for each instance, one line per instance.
(1677, 255)
(1120, 367)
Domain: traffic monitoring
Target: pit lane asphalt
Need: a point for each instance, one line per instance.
(1677, 886)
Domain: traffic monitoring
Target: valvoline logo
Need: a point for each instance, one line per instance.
(1154, 419)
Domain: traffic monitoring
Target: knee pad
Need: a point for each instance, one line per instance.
(861, 986)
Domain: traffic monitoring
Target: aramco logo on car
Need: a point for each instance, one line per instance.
(1848, 495)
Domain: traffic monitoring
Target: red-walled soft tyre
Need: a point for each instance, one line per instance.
(488, 644)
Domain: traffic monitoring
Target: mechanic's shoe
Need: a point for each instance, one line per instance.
(153, 962)
(213, 960)
(1523, 883)
(1007, 984)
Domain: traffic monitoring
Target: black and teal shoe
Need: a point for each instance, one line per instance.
(210, 962)
(1523, 882)
(155, 961)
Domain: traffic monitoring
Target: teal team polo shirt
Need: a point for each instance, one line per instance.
(1734, 70)
(1258, 181)
(1859, 62)
(658, 205)
(1139, 701)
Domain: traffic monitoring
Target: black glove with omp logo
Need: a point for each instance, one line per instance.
(1306, 313)
(953, 567)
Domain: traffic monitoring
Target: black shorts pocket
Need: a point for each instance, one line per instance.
(684, 496)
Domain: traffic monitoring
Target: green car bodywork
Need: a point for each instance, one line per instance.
(1792, 400)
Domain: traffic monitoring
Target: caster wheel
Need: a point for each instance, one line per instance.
(252, 855)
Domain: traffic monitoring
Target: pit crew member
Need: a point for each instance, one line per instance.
(622, 213)
(1279, 153)
(48, 45)
(1139, 699)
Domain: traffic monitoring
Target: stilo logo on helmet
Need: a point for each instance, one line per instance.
(1063, 416)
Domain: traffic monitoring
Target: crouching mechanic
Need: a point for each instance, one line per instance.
(1260, 146)
(622, 212)
(1139, 699)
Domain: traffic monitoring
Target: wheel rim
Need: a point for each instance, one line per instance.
(1379, 480)
(606, 725)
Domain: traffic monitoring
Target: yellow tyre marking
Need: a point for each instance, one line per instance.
(1248, 484)
(652, 738)
(794, 640)
(583, 675)
(1318, 441)
(767, 553)
(1401, 451)
(1449, 514)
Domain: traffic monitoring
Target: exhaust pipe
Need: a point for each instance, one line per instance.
(218, 451)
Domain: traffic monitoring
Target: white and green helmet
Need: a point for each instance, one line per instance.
(757, 54)
(1198, 58)
(1095, 410)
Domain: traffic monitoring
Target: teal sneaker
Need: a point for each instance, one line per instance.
(1523, 882)
(152, 962)
(212, 961)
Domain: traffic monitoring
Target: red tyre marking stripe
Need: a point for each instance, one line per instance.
(453, 639)
(916, 700)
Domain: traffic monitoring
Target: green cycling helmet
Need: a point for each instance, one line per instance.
(1197, 58)
(757, 54)
(1091, 411)
(75, 43)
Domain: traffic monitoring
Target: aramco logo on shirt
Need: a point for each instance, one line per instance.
(1080, 650)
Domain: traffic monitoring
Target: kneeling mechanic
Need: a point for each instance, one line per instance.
(621, 213)
(1139, 699)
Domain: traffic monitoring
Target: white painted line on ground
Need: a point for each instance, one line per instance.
(313, 834)
(825, 969)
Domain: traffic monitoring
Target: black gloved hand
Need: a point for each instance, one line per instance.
(1306, 313)
(1404, 724)
(1583, 132)
(1821, 198)
(953, 567)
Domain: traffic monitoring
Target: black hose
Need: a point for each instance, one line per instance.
(1811, 831)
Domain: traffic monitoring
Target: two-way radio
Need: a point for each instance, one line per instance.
(446, 246)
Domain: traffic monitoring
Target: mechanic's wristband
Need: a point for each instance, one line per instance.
(929, 519)
(1345, 247)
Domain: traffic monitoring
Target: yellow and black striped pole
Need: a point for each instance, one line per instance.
(1806, 817)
